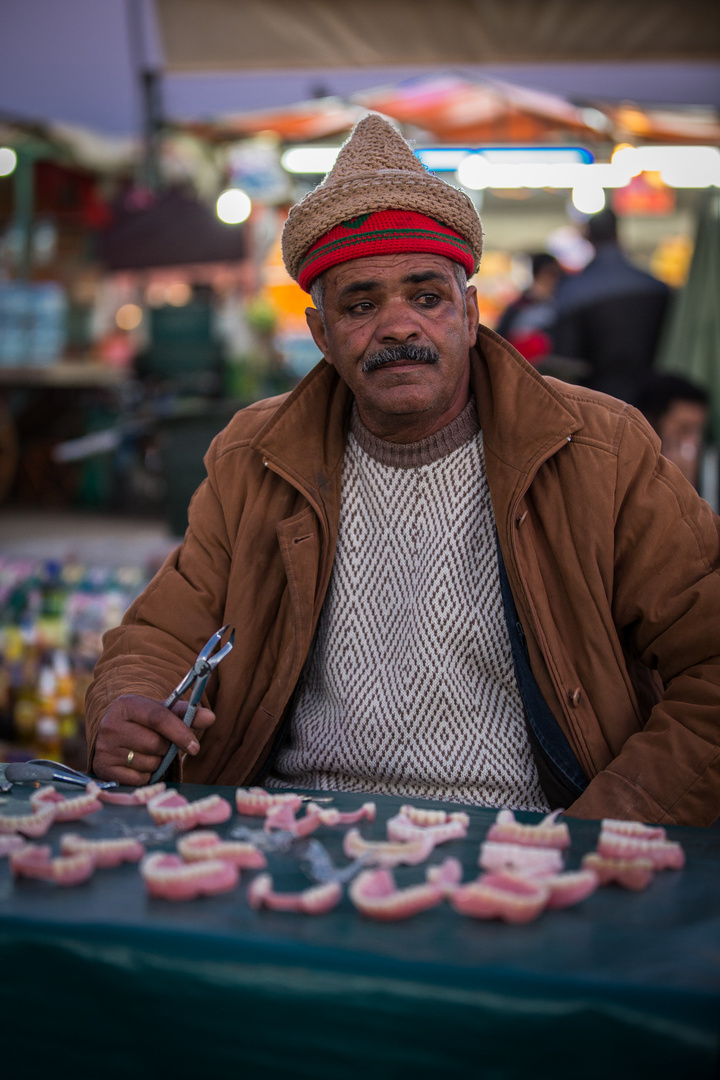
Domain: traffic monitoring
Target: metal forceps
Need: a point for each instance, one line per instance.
(196, 677)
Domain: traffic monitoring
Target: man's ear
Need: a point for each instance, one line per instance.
(473, 313)
(317, 329)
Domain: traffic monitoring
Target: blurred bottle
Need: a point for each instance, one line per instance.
(46, 737)
(47, 742)
(27, 705)
(66, 708)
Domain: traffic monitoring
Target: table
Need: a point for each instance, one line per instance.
(623, 985)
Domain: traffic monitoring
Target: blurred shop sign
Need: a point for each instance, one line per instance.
(644, 196)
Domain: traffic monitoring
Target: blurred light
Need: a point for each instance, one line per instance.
(588, 198)
(448, 158)
(679, 166)
(233, 206)
(8, 160)
(307, 160)
(155, 294)
(129, 316)
(595, 119)
(178, 294)
(477, 171)
(695, 167)
(625, 157)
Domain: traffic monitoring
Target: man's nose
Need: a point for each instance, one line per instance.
(397, 323)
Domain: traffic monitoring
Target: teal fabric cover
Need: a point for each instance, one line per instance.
(103, 979)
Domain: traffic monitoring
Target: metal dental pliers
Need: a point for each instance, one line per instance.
(196, 677)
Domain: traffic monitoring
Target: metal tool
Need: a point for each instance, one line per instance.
(41, 771)
(196, 677)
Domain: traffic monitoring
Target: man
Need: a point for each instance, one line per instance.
(610, 314)
(679, 411)
(450, 577)
(528, 321)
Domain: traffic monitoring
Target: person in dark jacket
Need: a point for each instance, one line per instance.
(611, 315)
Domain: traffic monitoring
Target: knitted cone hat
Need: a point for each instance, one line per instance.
(376, 170)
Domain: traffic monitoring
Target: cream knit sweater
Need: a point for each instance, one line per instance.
(410, 688)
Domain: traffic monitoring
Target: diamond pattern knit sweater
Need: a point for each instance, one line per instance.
(410, 688)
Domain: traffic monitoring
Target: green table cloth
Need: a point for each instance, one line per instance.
(103, 979)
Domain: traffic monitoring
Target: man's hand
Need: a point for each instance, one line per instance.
(134, 736)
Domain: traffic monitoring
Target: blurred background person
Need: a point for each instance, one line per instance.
(610, 314)
(527, 322)
(679, 411)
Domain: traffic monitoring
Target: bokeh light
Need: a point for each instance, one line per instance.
(233, 206)
(8, 160)
(129, 316)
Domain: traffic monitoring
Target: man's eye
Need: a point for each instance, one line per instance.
(360, 308)
(427, 299)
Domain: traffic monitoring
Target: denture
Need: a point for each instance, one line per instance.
(32, 825)
(167, 877)
(510, 897)
(438, 824)
(255, 802)
(633, 874)
(548, 833)
(171, 807)
(387, 853)
(139, 797)
(520, 858)
(375, 894)
(106, 854)
(35, 861)
(317, 900)
(663, 854)
(206, 844)
(66, 809)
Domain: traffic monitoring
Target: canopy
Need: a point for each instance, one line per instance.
(207, 35)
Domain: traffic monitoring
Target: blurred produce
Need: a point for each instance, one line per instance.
(52, 618)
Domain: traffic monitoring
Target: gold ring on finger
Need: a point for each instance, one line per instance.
(131, 755)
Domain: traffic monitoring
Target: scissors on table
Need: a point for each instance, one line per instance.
(197, 677)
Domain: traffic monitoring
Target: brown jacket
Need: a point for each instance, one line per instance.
(612, 558)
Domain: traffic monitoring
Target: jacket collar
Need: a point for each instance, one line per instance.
(522, 416)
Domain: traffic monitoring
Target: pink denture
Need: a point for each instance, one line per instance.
(387, 853)
(167, 877)
(663, 854)
(330, 816)
(67, 809)
(206, 844)
(633, 874)
(33, 825)
(570, 888)
(171, 807)
(106, 854)
(506, 896)
(548, 833)
(633, 828)
(255, 802)
(139, 797)
(520, 858)
(375, 894)
(35, 861)
(282, 816)
(411, 823)
(316, 900)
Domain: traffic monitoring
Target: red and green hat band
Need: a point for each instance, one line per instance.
(384, 232)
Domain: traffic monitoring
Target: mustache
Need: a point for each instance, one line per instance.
(418, 354)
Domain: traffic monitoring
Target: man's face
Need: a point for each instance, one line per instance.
(681, 430)
(386, 302)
